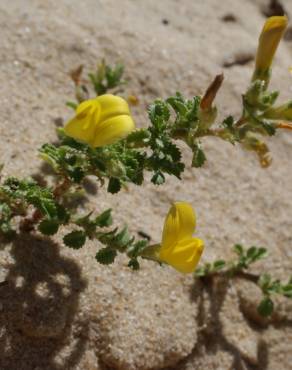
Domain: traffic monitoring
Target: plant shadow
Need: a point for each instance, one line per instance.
(210, 297)
(39, 301)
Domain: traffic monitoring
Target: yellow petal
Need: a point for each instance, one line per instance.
(83, 126)
(112, 105)
(113, 129)
(180, 224)
(183, 256)
(270, 37)
(87, 107)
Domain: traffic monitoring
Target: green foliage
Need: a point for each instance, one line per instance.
(266, 307)
(106, 256)
(210, 268)
(153, 149)
(17, 195)
(91, 224)
(107, 77)
(49, 227)
(249, 256)
(238, 267)
(120, 241)
(27, 192)
(6, 214)
(75, 239)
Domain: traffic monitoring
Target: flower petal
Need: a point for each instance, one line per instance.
(183, 256)
(180, 224)
(113, 129)
(112, 105)
(270, 37)
(83, 126)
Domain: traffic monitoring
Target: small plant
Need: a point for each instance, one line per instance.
(101, 140)
(238, 268)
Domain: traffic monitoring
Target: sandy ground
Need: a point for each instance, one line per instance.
(63, 311)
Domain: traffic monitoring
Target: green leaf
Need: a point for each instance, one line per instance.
(75, 239)
(158, 178)
(261, 253)
(199, 157)
(286, 290)
(135, 249)
(269, 128)
(228, 122)
(114, 185)
(72, 105)
(6, 216)
(238, 248)
(219, 265)
(27, 190)
(266, 307)
(251, 253)
(159, 114)
(264, 282)
(63, 215)
(104, 219)
(122, 239)
(138, 137)
(134, 264)
(106, 256)
(200, 271)
(76, 174)
(48, 227)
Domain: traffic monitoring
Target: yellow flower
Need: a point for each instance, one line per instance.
(178, 247)
(101, 121)
(270, 37)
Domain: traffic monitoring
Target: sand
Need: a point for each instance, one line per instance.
(60, 309)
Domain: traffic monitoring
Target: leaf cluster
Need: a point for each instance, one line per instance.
(17, 195)
(269, 287)
(115, 240)
(107, 77)
(245, 258)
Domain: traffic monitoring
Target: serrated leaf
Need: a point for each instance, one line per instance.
(114, 185)
(75, 239)
(104, 219)
(134, 264)
(138, 136)
(158, 178)
(48, 227)
(123, 238)
(106, 256)
(199, 157)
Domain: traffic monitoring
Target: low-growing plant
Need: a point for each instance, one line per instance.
(101, 141)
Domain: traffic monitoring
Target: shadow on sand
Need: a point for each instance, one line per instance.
(39, 301)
